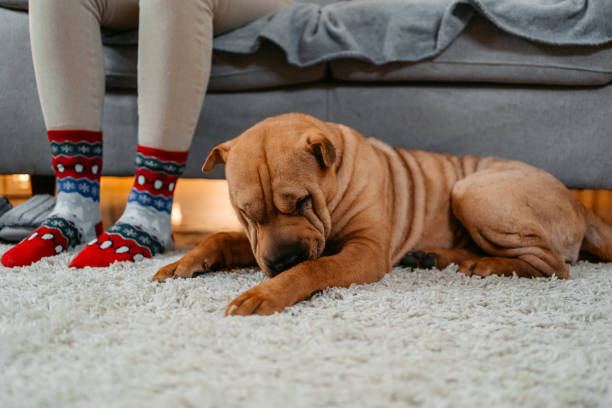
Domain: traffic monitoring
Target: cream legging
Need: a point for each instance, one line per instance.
(174, 54)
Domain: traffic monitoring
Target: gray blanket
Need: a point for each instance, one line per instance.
(382, 31)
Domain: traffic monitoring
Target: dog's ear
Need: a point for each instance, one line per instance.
(218, 155)
(321, 148)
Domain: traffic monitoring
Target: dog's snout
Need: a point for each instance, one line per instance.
(286, 259)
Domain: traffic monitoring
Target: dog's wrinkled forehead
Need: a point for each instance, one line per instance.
(281, 161)
(280, 174)
(268, 154)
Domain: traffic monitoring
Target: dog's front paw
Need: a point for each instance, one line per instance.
(261, 300)
(183, 268)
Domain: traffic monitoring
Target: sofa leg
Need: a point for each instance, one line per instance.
(42, 185)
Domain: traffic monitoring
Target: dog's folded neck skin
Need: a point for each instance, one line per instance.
(399, 190)
(358, 185)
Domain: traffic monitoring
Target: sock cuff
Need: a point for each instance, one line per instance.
(167, 162)
(70, 144)
(163, 155)
(74, 136)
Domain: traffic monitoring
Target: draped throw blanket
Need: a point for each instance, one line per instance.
(382, 31)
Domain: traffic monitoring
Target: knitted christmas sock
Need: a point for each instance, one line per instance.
(144, 228)
(77, 160)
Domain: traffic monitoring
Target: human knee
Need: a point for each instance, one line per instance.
(67, 7)
(165, 6)
(62, 4)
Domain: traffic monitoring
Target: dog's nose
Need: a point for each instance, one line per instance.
(286, 260)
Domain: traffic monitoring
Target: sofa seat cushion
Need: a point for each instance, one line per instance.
(229, 72)
(484, 53)
(15, 4)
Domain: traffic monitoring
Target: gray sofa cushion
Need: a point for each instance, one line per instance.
(229, 72)
(15, 4)
(484, 53)
(565, 130)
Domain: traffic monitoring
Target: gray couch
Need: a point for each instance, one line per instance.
(488, 93)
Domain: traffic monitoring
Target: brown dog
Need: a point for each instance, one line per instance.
(323, 206)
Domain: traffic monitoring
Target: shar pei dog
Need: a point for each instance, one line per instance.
(322, 206)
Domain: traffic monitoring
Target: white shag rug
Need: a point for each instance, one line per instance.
(109, 337)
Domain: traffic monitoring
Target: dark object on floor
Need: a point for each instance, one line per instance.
(42, 184)
(4, 205)
(20, 221)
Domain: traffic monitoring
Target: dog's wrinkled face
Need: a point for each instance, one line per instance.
(281, 174)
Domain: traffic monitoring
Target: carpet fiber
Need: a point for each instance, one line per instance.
(110, 337)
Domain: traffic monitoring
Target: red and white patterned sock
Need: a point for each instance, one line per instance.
(144, 229)
(77, 160)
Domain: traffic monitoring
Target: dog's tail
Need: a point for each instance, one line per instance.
(598, 236)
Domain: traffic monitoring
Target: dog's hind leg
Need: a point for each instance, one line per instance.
(486, 266)
(598, 237)
(522, 218)
(223, 250)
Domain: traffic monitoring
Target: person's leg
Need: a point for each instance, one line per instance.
(67, 55)
(174, 55)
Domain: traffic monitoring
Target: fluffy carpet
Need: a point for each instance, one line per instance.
(110, 337)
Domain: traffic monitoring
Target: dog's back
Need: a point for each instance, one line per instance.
(425, 181)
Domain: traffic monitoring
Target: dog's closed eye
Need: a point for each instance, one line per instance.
(303, 204)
